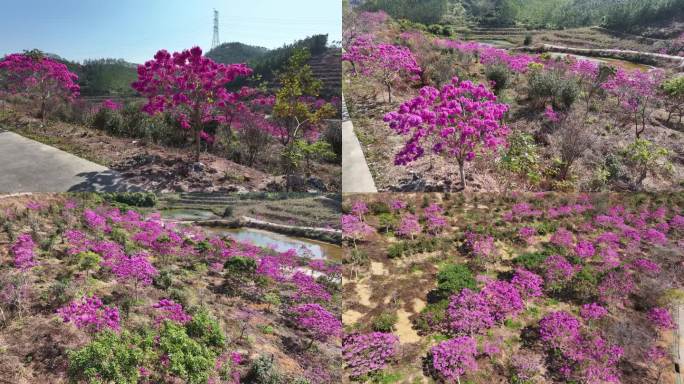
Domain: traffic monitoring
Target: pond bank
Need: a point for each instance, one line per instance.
(632, 56)
(328, 235)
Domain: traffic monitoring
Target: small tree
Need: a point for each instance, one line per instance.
(40, 78)
(454, 358)
(188, 85)
(136, 270)
(674, 97)
(644, 158)
(317, 321)
(457, 121)
(297, 117)
(389, 64)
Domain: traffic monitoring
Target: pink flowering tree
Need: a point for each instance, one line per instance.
(354, 228)
(187, 85)
(469, 313)
(40, 78)
(409, 226)
(636, 93)
(454, 358)
(90, 314)
(388, 64)
(319, 323)
(559, 330)
(136, 270)
(434, 218)
(366, 353)
(661, 318)
(170, 310)
(23, 250)
(456, 122)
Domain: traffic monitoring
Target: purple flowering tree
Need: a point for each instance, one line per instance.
(456, 122)
(318, 322)
(90, 314)
(365, 353)
(136, 270)
(454, 358)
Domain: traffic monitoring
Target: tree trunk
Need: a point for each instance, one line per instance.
(198, 145)
(389, 93)
(461, 171)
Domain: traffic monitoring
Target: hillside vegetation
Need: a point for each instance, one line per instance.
(619, 15)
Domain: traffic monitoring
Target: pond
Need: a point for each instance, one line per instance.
(614, 62)
(314, 249)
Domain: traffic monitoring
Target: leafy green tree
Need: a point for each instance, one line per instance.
(109, 358)
(452, 278)
(674, 92)
(205, 329)
(421, 11)
(298, 118)
(88, 261)
(522, 158)
(187, 358)
(644, 158)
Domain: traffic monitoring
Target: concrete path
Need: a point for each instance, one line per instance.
(356, 177)
(679, 344)
(29, 166)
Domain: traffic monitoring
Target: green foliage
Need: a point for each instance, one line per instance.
(235, 53)
(530, 261)
(134, 199)
(452, 278)
(403, 248)
(109, 358)
(385, 322)
(378, 207)
(552, 87)
(644, 158)
(163, 280)
(522, 157)
(106, 77)
(433, 313)
(188, 359)
(206, 330)
(264, 371)
(500, 75)
(240, 265)
(422, 11)
(88, 261)
(109, 121)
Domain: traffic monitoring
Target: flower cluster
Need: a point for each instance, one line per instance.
(23, 251)
(409, 226)
(90, 314)
(454, 358)
(317, 321)
(457, 121)
(170, 310)
(365, 353)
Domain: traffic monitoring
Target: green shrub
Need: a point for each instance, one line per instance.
(241, 266)
(109, 121)
(135, 199)
(385, 322)
(500, 75)
(552, 87)
(264, 371)
(530, 261)
(206, 330)
(188, 359)
(645, 158)
(396, 250)
(522, 157)
(528, 40)
(109, 358)
(432, 314)
(378, 207)
(452, 278)
(387, 221)
(163, 280)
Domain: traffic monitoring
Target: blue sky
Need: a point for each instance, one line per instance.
(135, 29)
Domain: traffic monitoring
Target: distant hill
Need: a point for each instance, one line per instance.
(230, 53)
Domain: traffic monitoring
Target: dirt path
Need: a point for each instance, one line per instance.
(29, 166)
(356, 176)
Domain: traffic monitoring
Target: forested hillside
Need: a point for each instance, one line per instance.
(621, 15)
